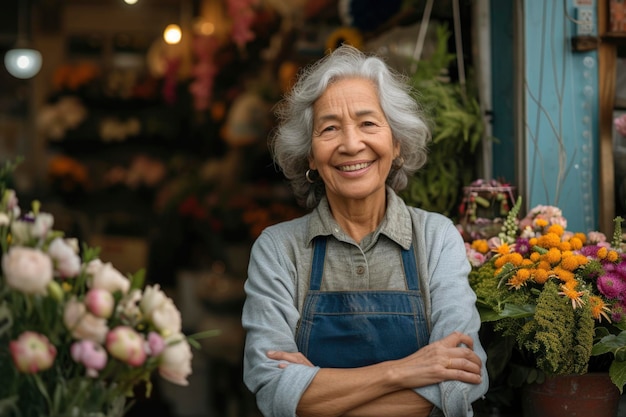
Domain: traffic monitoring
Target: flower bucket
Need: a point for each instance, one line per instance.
(591, 394)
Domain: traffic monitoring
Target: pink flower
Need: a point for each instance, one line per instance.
(100, 302)
(90, 354)
(620, 124)
(27, 270)
(156, 344)
(32, 352)
(125, 344)
(612, 286)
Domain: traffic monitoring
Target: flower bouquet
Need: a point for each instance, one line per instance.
(76, 336)
(555, 300)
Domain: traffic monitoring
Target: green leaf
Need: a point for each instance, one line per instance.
(610, 343)
(6, 318)
(617, 372)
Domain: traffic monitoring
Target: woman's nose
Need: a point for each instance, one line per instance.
(352, 139)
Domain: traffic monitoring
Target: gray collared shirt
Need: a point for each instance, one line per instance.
(278, 279)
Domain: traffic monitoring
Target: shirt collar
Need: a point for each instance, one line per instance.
(396, 223)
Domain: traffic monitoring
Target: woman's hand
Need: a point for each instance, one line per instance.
(289, 357)
(450, 358)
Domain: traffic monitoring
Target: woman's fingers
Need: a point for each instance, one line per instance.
(289, 357)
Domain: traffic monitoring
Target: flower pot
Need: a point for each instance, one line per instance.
(591, 394)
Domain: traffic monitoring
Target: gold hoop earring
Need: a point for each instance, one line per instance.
(307, 174)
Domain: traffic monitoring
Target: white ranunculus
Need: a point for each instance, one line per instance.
(161, 311)
(175, 360)
(106, 277)
(4, 219)
(28, 270)
(42, 225)
(66, 259)
(152, 298)
(82, 324)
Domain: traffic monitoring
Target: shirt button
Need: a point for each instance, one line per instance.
(360, 270)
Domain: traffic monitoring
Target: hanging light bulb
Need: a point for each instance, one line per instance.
(22, 61)
(172, 34)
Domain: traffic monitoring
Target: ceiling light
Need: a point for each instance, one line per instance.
(22, 61)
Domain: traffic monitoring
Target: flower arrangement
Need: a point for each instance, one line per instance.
(556, 300)
(76, 336)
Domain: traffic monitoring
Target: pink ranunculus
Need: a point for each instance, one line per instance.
(125, 344)
(100, 302)
(90, 354)
(82, 324)
(27, 270)
(105, 276)
(175, 361)
(32, 352)
(66, 260)
(156, 344)
(594, 238)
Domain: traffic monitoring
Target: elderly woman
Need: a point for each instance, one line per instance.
(361, 307)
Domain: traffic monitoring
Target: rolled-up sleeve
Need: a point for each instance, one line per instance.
(270, 317)
(453, 308)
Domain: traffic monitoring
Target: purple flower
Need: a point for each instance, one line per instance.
(612, 286)
(522, 246)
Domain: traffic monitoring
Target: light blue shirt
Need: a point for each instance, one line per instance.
(278, 278)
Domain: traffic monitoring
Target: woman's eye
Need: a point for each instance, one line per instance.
(369, 124)
(329, 129)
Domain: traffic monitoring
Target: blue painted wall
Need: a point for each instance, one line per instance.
(561, 115)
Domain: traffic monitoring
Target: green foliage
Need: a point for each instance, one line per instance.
(457, 130)
(559, 337)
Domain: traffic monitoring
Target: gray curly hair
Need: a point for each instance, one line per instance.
(290, 143)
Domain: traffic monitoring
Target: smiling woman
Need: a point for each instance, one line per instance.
(346, 302)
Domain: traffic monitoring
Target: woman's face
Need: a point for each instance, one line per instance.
(352, 145)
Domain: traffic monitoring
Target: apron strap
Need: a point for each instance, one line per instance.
(317, 267)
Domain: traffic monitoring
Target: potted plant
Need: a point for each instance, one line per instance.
(552, 303)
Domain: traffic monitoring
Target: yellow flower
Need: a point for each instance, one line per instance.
(345, 34)
(602, 253)
(541, 222)
(519, 279)
(540, 276)
(612, 256)
(549, 240)
(480, 245)
(569, 290)
(599, 308)
(565, 276)
(576, 242)
(553, 256)
(556, 229)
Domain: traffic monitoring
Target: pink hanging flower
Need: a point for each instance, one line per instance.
(32, 352)
(620, 124)
(242, 15)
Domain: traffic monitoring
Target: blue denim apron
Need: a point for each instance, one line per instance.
(349, 329)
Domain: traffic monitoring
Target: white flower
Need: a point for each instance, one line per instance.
(28, 270)
(67, 260)
(175, 360)
(42, 225)
(4, 219)
(105, 276)
(82, 324)
(161, 311)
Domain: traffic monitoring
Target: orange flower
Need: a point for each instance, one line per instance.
(599, 308)
(556, 229)
(549, 240)
(569, 290)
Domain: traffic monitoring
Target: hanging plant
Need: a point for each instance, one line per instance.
(457, 129)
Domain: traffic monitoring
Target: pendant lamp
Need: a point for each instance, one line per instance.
(23, 61)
